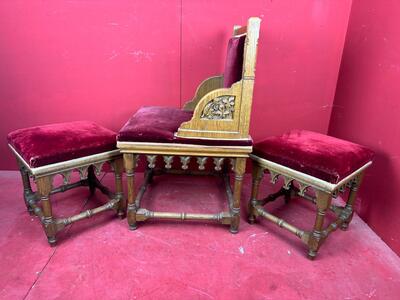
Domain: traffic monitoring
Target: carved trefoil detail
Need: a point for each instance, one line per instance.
(218, 163)
(220, 108)
(168, 159)
(185, 161)
(83, 172)
(201, 161)
(151, 159)
(66, 176)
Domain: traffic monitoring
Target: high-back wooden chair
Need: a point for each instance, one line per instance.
(214, 125)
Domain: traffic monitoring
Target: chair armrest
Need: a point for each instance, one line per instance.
(205, 87)
(217, 115)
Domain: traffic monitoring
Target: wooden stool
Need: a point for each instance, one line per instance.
(45, 151)
(309, 161)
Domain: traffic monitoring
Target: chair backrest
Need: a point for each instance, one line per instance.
(222, 104)
(234, 60)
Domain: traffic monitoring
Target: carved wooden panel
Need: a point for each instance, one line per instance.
(220, 108)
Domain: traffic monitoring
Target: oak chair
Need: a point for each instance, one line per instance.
(315, 167)
(214, 124)
(42, 152)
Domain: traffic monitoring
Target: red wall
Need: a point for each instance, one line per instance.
(367, 108)
(101, 60)
(300, 48)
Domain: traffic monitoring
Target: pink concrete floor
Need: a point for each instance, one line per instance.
(100, 258)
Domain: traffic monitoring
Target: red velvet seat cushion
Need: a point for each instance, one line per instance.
(48, 144)
(315, 154)
(155, 124)
(234, 61)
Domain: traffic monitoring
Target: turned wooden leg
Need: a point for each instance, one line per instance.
(258, 173)
(44, 186)
(29, 195)
(130, 164)
(240, 165)
(323, 202)
(348, 210)
(118, 170)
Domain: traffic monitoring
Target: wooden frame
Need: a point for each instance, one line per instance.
(230, 122)
(324, 192)
(240, 95)
(39, 203)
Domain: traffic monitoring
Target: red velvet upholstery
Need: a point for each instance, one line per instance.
(234, 61)
(315, 154)
(47, 144)
(154, 124)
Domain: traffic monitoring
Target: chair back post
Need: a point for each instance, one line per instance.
(248, 73)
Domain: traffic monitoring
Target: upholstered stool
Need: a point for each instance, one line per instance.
(150, 133)
(45, 151)
(309, 162)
